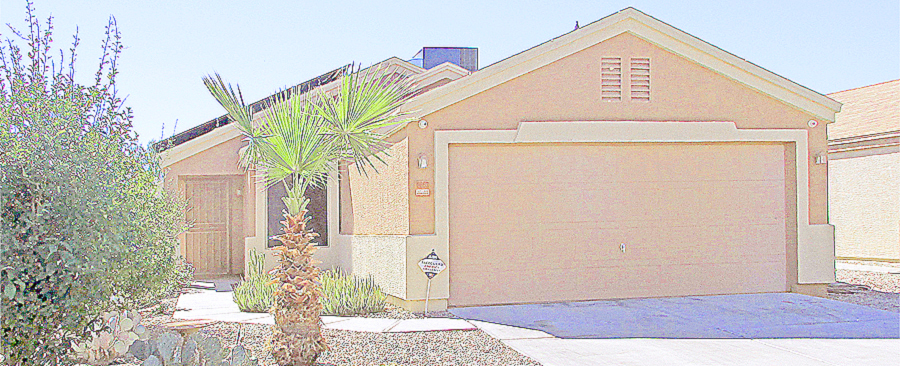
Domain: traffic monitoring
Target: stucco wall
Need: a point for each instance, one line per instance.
(380, 204)
(221, 159)
(384, 258)
(864, 198)
(568, 90)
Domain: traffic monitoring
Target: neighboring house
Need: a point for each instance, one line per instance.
(623, 159)
(864, 173)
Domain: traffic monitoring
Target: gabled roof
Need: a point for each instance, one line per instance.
(868, 110)
(219, 130)
(631, 21)
(256, 106)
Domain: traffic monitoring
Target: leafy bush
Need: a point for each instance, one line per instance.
(350, 295)
(86, 227)
(256, 292)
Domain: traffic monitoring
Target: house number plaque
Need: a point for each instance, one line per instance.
(422, 189)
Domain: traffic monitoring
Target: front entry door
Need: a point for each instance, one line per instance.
(213, 242)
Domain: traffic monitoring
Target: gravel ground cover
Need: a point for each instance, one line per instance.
(470, 347)
(874, 289)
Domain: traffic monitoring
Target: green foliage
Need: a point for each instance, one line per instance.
(256, 292)
(86, 227)
(299, 141)
(171, 349)
(302, 136)
(346, 294)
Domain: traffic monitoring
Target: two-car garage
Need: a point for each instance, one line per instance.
(577, 221)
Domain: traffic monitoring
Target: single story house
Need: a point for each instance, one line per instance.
(623, 159)
(864, 173)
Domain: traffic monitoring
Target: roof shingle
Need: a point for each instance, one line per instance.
(869, 110)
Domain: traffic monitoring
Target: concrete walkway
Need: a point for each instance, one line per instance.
(220, 306)
(749, 316)
(699, 347)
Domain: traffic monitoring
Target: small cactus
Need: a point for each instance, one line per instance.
(112, 336)
(171, 349)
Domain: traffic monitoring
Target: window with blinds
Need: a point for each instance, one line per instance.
(640, 79)
(611, 74)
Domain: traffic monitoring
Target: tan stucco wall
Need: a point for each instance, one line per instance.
(864, 199)
(380, 202)
(568, 90)
(221, 159)
(383, 258)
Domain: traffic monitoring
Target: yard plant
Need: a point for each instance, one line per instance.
(301, 138)
(85, 227)
(256, 292)
(346, 294)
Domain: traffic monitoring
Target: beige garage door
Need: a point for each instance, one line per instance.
(557, 222)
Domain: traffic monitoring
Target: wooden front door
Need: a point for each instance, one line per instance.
(213, 243)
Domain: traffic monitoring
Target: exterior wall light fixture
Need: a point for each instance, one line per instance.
(423, 161)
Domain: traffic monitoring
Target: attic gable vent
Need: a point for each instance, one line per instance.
(640, 79)
(611, 75)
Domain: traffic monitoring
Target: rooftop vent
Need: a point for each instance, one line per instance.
(465, 57)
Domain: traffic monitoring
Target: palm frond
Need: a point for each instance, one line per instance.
(365, 106)
(240, 113)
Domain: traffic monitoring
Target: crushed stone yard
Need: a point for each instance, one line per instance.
(879, 290)
(474, 347)
(461, 347)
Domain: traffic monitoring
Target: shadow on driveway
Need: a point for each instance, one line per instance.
(779, 315)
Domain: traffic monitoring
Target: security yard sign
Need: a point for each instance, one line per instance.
(432, 265)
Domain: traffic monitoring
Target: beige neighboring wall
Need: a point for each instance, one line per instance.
(568, 90)
(864, 197)
(864, 173)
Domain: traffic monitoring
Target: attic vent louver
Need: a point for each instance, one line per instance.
(640, 79)
(611, 79)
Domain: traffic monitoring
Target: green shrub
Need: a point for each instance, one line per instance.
(256, 293)
(346, 294)
(86, 227)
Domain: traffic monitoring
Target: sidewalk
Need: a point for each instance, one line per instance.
(212, 305)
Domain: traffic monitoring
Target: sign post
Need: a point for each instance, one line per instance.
(431, 265)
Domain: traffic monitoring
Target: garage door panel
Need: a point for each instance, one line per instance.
(545, 222)
(548, 285)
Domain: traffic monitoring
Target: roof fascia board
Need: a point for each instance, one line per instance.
(645, 27)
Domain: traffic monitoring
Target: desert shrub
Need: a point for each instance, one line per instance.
(86, 227)
(345, 294)
(172, 349)
(256, 292)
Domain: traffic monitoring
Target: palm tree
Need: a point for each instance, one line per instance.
(299, 140)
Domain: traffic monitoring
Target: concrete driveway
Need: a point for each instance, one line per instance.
(756, 329)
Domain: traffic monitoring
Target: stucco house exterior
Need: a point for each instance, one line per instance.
(626, 158)
(864, 173)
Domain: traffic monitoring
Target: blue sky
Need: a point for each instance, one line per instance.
(263, 45)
